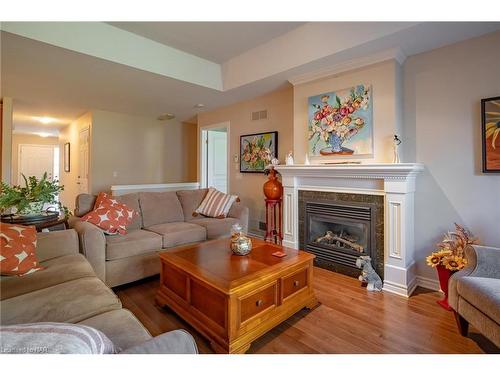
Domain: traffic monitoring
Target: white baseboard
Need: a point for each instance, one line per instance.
(428, 283)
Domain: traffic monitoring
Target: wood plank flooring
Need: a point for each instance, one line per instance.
(349, 320)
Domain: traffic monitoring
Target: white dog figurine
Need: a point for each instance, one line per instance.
(368, 274)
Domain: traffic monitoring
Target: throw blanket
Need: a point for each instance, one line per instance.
(53, 338)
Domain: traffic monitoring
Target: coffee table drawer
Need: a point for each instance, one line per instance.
(257, 302)
(295, 282)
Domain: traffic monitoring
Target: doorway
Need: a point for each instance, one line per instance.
(214, 164)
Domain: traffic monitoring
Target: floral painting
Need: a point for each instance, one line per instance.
(257, 150)
(490, 115)
(341, 123)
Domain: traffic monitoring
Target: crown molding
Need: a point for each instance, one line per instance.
(390, 54)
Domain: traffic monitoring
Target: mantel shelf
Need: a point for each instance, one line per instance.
(374, 171)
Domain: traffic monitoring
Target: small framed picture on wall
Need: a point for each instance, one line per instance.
(67, 157)
(257, 150)
(490, 134)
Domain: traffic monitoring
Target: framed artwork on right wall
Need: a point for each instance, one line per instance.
(490, 134)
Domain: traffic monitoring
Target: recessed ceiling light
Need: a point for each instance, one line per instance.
(44, 120)
(199, 105)
(44, 135)
(166, 116)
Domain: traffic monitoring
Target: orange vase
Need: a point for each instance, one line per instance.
(273, 188)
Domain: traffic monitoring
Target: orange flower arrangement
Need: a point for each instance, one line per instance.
(451, 251)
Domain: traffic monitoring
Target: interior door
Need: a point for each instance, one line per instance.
(83, 160)
(217, 160)
(35, 160)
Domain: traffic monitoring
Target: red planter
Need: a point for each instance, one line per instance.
(444, 275)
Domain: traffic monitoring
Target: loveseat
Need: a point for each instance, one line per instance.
(68, 291)
(165, 220)
(474, 292)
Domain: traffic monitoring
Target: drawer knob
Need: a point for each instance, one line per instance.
(296, 283)
(259, 303)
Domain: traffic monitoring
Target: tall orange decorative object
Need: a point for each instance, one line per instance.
(273, 190)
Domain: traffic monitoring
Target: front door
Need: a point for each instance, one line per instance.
(35, 160)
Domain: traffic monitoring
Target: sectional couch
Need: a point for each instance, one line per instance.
(165, 220)
(68, 291)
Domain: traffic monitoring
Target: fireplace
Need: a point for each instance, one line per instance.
(338, 228)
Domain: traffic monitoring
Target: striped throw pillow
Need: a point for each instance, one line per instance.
(216, 204)
(54, 338)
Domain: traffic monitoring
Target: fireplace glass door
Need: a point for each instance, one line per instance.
(339, 233)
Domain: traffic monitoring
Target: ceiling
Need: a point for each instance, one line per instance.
(214, 41)
(46, 79)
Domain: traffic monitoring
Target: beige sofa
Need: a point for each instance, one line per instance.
(165, 220)
(68, 291)
(474, 292)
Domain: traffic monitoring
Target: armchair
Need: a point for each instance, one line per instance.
(474, 292)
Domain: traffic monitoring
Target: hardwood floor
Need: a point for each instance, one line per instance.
(349, 320)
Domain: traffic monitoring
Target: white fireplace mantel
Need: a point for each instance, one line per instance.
(396, 182)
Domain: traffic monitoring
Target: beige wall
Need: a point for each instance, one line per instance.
(70, 179)
(443, 89)
(26, 139)
(279, 107)
(6, 139)
(138, 150)
(384, 78)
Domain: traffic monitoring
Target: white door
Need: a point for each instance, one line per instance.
(217, 160)
(35, 160)
(83, 161)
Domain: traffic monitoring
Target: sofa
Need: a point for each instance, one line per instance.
(68, 291)
(474, 292)
(165, 220)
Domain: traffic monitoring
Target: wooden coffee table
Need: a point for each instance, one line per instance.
(230, 299)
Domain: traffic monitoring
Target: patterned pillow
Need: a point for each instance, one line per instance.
(17, 250)
(110, 215)
(216, 204)
(104, 199)
(54, 338)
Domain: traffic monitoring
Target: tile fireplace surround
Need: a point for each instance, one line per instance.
(396, 182)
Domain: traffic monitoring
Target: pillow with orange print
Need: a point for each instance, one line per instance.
(17, 250)
(105, 199)
(112, 219)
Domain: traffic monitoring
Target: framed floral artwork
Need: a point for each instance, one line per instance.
(340, 123)
(257, 150)
(490, 129)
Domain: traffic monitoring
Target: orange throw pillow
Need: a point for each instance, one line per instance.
(110, 215)
(17, 250)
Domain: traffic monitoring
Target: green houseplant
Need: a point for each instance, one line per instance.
(30, 199)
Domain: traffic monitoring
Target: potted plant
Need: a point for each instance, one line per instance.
(30, 199)
(450, 258)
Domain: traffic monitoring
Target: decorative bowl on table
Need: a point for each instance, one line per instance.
(240, 244)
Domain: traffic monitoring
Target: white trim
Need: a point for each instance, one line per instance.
(382, 171)
(145, 187)
(202, 151)
(400, 289)
(428, 283)
(390, 54)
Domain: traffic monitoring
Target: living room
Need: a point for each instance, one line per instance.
(172, 186)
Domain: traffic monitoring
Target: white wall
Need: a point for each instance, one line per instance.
(442, 127)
